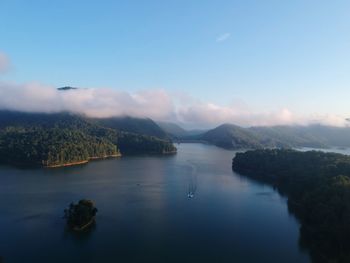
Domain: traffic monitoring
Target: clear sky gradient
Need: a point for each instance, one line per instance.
(267, 54)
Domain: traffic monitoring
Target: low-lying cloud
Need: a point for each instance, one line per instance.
(159, 105)
(99, 102)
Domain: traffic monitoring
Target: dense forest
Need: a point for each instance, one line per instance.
(130, 143)
(142, 126)
(38, 139)
(317, 185)
(51, 147)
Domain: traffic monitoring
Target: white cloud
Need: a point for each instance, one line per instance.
(223, 37)
(156, 104)
(4, 63)
(100, 102)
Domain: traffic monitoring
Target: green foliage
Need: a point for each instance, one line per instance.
(50, 147)
(141, 126)
(141, 144)
(232, 136)
(80, 214)
(318, 188)
(38, 139)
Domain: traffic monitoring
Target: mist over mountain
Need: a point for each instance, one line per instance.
(154, 113)
(156, 104)
(228, 136)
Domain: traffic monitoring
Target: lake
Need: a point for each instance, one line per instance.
(145, 214)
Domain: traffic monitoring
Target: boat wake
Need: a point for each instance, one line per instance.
(192, 185)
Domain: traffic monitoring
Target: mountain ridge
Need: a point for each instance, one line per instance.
(283, 136)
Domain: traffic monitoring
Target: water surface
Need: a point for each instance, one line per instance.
(145, 214)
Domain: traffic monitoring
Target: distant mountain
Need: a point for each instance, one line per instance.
(231, 136)
(60, 139)
(290, 136)
(195, 132)
(172, 129)
(318, 136)
(308, 136)
(144, 126)
(177, 132)
(330, 135)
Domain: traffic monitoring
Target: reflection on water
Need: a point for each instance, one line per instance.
(145, 214)
(81, 236)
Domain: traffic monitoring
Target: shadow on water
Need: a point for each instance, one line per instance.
(79, 236)
(260, 182)
(319, 249)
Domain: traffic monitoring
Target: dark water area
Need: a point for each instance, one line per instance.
(145, 213)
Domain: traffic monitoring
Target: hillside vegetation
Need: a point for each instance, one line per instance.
(234, 137)
(39, 139)
(143, 126)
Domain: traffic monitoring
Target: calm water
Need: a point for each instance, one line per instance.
(145, 214)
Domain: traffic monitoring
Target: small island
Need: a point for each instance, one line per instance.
(80, 216)
(317, 185)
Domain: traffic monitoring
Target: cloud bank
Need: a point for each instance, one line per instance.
(156, 104)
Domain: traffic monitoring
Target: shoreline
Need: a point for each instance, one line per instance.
(169, 152)
(66, 164)
(92, 158)
(84, 161)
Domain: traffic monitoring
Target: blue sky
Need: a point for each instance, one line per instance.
(266, 54)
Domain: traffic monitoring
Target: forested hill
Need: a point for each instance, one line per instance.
(58, 139)
(318, 188)
(317, 136)
(232, 136)
(144, 126)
